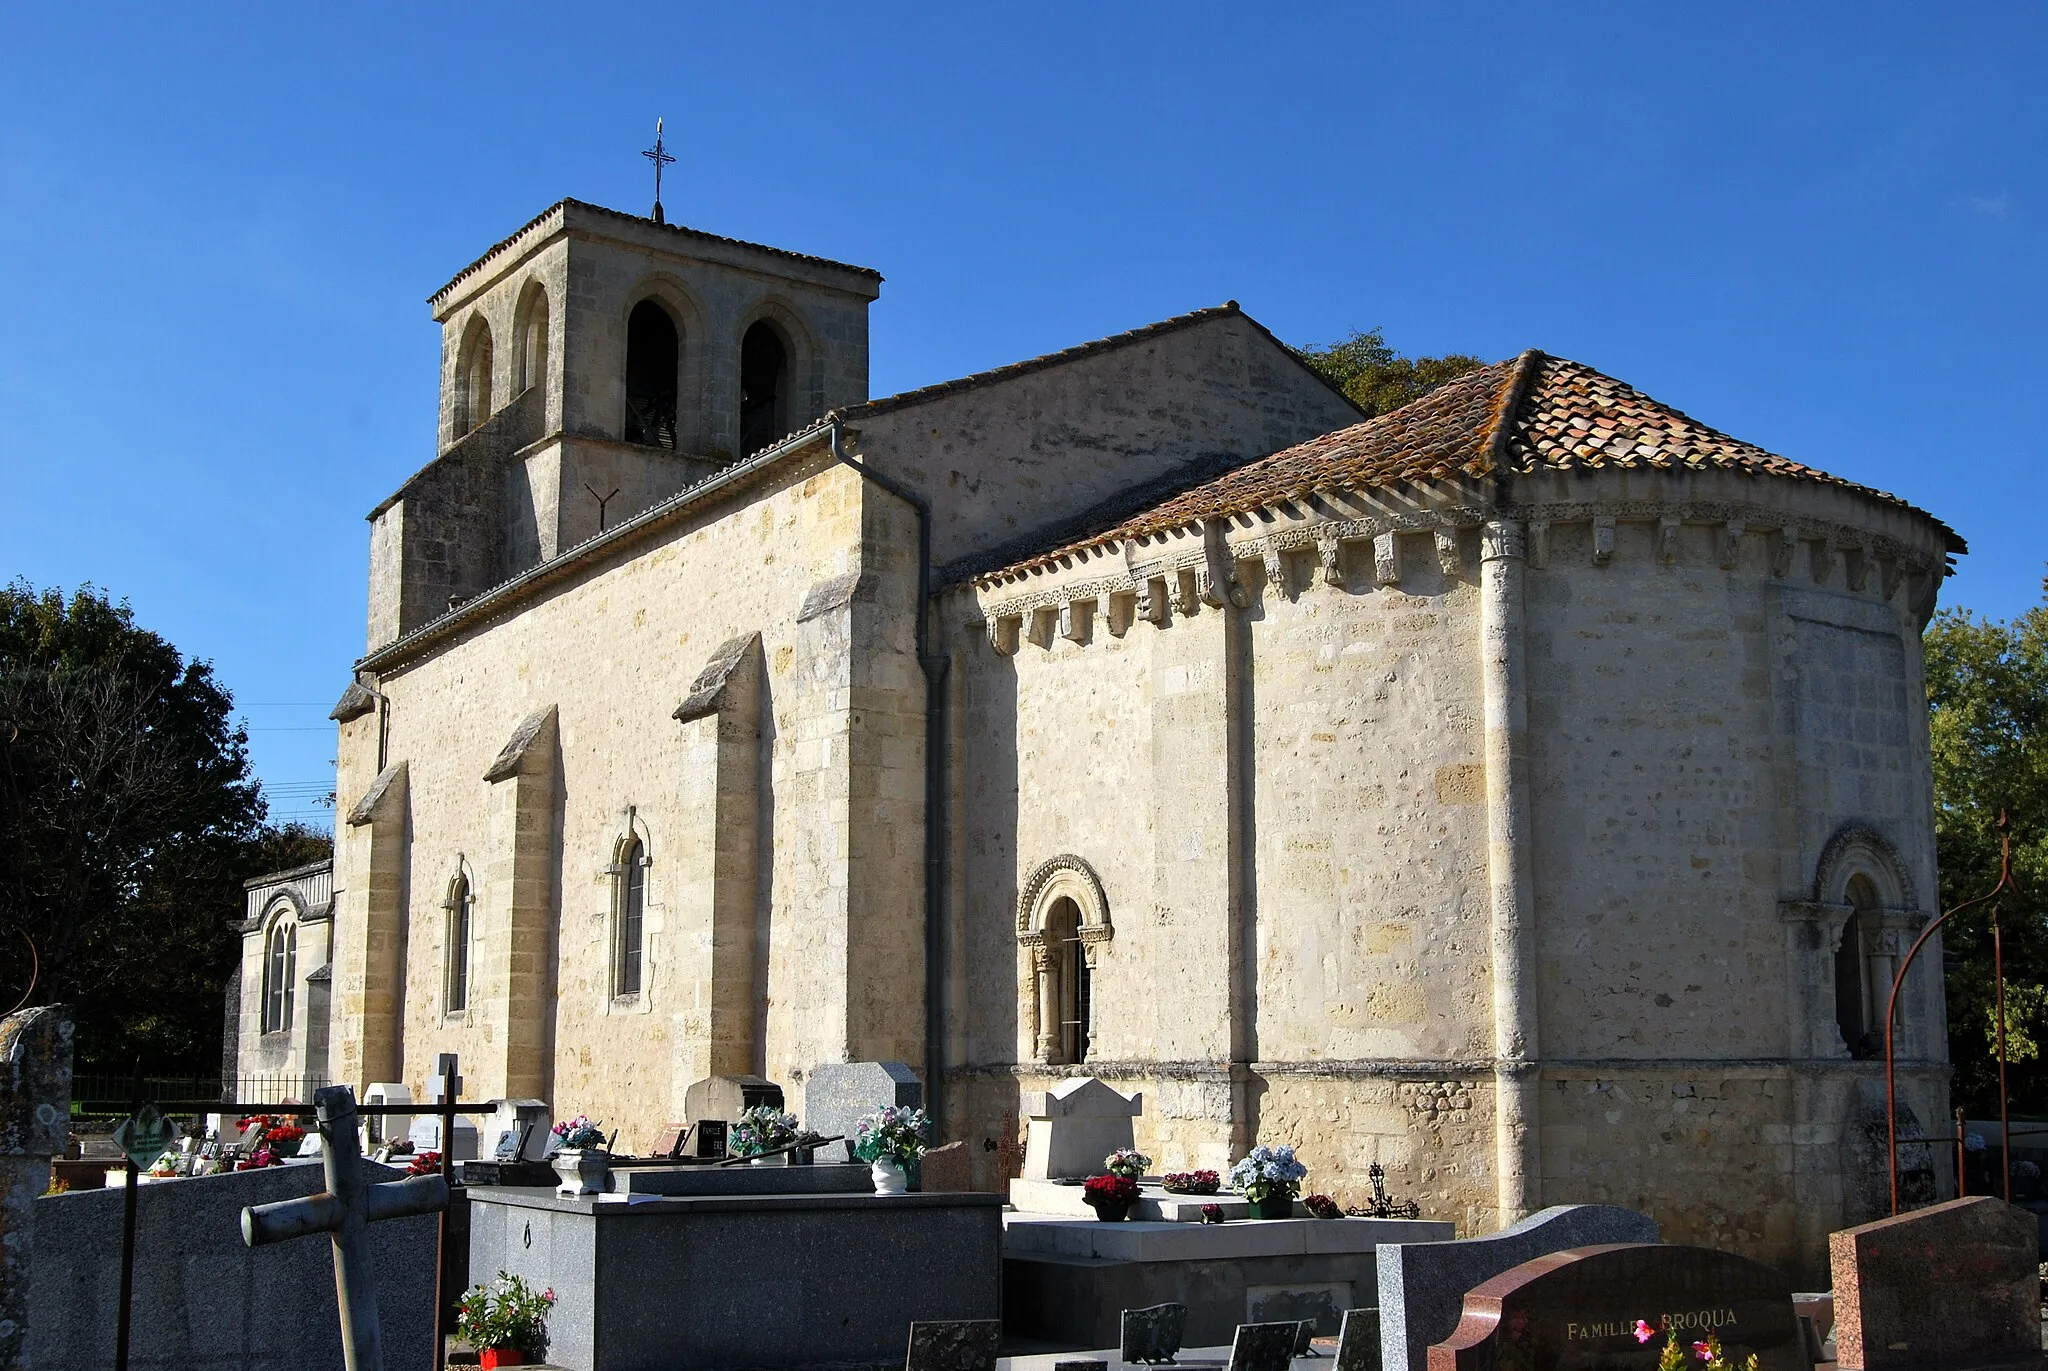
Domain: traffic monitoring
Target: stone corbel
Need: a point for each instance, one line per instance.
(1152, 603)
(1039, 627)
(1187, 592)
(1330, 557)
(1730, 539)
(1539, 543)
(1276, 575)
(1823, 560)
(1386, 558)
(1117, 609)
(1002, 633)
(1856, 567)
(1448, 554)
(1891, 573)
(1667, 541)
(1788, 548)
(1603, 541)
(1076, 618)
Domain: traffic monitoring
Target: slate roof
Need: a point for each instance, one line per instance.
(1527, 414)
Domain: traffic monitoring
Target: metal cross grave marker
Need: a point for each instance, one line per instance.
(344, 1210)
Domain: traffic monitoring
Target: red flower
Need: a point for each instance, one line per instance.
(1644, 1332)
(1110, 1190)
(1702, 1351)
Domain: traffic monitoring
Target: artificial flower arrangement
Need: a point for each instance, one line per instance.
(1113, 1193)
(895, 1134)
(166, 1165)
(1193, 1182)
(505, 1315)
(1323, 1207)
(762, 1129)
(427, 1163)
(1127, 1161)
(1268, 1173)
(579, 1133)
(1212, 1213)
(277, 1133)
(1708, 1351)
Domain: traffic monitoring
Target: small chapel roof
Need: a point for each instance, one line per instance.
(1527, 414)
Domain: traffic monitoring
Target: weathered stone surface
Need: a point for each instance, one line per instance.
(1153, 1334)
(1597, 1308)
(727, 1097)
(962, 1345)
(35, 1113)
(1422, 1285)
(1953, 1285)
(837, 1094)
(946, 1168)
(205, 1302)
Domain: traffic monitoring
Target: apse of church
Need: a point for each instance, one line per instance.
(1425, 791)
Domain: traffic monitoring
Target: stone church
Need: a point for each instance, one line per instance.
(1527, 789)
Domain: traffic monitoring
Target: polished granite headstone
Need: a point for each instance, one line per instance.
(837, 1094)
(1422, 1285)
(1358, 1341)
(1952, 1285)
(1263, 1347)
(1610, 1307)
(1153, 1334)
(954, 1345)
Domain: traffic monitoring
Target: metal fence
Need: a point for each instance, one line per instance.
(99, 1092)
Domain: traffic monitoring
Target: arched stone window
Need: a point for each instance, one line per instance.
(1062, 923)
(764, 387)
(460, 907)
(653, 352)
(473, 377)
(1863, 900)
(280, 973)
(629, 916)
(531, 341)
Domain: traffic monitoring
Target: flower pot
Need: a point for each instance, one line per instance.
(582, 1169)
(286, 1149)
(1273, 1207)
(501, 1356)
(1111, 1213)
(890, 1178)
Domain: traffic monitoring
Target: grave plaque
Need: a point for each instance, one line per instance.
(1358, 1341)
(1613, 1307)
(711, 1137)
(1153, 1334)
(1954, 1284)
(1263, 1346)
(954, 1345)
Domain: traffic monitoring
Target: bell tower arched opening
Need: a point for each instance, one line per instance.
(764, 388)
(653, 352)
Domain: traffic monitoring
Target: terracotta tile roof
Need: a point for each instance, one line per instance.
(1530, 413)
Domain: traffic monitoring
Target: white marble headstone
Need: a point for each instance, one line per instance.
(1073, 1126)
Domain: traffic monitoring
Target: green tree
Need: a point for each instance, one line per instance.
(128, 820)
(1378, 379)
(1987, 693)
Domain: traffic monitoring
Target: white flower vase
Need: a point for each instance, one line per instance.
(890, 1177)
(583, 1170)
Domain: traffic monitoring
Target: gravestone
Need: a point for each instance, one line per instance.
(1153, 1334)
(35, 1109)
(383, 1128)
(1358, 1341)
(522, 1119)
(727, 1097)
(1074, 1126)
(953, 1345)
(1594, 1308)
(425, 1136)
(1422, 1285)
(1954, 1284)
(669, 1141)
(837, 1094)
(1263, 1347)
(946, 1168)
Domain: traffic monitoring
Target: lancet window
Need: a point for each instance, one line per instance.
(629, 917)
(280, 970)
(460, 907)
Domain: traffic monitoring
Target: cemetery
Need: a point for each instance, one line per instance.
(749, 1240)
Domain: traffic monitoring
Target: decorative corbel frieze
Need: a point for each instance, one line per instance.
(1823, 559)
(1891, 574)
(1076, 618)
(1502, 540)
(1152, 601)
(1729, 544)
(1386, 558)
(1539, 543)
(1330, 553)
(1220, 583)
(1856, 567)
(1667, 541)
(1117, 609)
(1788, 548)
(1276, 574)
(1449, 555)
(1187, 592)
(1039, 625)
(1603, 541)
(1002, 633)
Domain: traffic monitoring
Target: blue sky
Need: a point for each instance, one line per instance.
(1818, 227)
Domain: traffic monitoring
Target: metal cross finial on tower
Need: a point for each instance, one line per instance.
(659, 156)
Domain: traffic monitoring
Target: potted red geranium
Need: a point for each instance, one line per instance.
(505, 1320)
(1111, 1197)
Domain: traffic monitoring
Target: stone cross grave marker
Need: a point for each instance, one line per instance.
(344, 1211)
(836, 1094)
(1074, 1126)
(1422, 1285)
(1592, 1308)
(1954, 1284)
(35, 1109)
